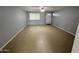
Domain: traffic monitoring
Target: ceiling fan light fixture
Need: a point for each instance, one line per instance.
(42, 10)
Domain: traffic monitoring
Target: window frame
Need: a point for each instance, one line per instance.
(33, 18)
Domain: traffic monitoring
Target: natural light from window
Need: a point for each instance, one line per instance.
(34, 16)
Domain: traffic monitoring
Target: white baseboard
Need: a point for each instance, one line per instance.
(11, 38)
(65, 30)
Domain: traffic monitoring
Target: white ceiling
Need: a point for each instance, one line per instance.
(37, 8)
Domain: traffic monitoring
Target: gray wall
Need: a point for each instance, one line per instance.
(67, 19)
(38, 22)
(75, 48)
(12, 19)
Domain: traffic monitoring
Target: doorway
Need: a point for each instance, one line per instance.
(48, 19)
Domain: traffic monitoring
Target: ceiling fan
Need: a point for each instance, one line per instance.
(42, 8)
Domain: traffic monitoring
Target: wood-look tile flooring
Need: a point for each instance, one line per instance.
(36, 39)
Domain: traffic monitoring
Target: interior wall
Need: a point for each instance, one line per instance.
(75, 48)
(12, 19)
(37, 22)
(66, 19)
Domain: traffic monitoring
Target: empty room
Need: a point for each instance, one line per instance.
(39, 29)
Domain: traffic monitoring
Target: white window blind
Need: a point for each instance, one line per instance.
(34, 16)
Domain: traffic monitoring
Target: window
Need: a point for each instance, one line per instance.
(34, 16)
